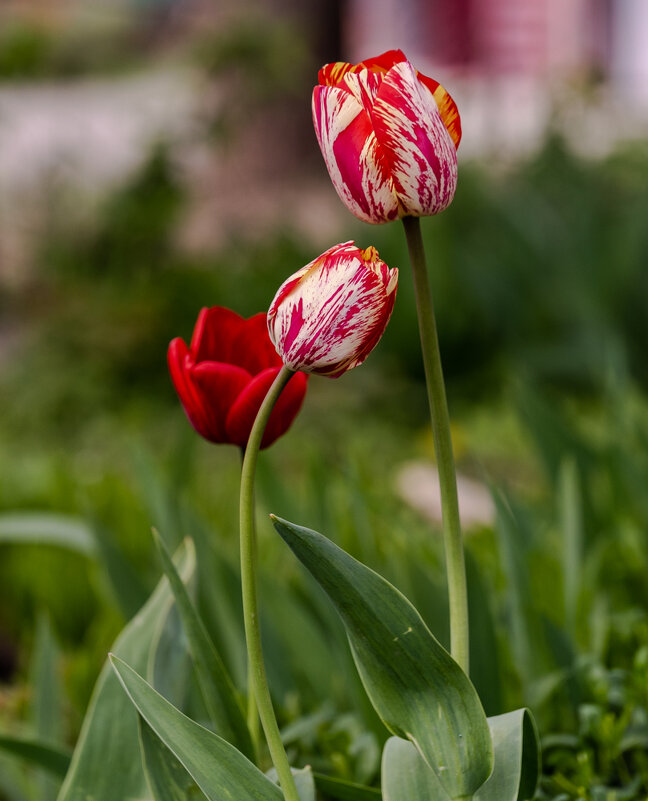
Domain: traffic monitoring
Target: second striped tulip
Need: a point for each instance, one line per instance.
(330, 315)
(389, 137)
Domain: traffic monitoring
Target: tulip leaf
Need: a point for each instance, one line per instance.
(103, 766)
(54, 759)
(44, 528)
(167, 778)
(406, 777)
(220, 770)
(216, 686)
(416, 687)
(304, 781)
(517, 758)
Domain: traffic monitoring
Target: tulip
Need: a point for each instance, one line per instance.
(226, 372)
(389, 137)
(328, 316)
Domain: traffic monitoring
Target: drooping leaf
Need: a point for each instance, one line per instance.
(343, 790)
(104, 764)
(167, 778)
(219, 769)
(406, 777)
(53, 759)
(414, 684)
(217, 689)
(46, 528)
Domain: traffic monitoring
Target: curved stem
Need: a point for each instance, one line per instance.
(454, 555)
(256, 667)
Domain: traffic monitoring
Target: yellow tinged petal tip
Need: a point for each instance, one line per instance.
(370, 254)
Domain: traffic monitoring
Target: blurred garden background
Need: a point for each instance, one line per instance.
(157, 156)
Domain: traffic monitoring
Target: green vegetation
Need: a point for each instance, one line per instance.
(540, 288)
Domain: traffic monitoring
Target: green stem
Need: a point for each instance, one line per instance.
(253, 722)
(256, 667)
(454, 555)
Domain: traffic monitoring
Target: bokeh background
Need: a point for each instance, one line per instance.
(157, 156)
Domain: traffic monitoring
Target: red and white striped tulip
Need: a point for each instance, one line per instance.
(389, 137)
(329, 316)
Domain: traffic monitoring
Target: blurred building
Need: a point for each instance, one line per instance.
(515, 55)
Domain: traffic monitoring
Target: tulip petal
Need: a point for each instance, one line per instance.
(332, 74)
(329, 320)
(358, 169)
(180, 364)
(252, 348)
(217, 387)
(447, 107)
(215, 334)
(415, 142)
(246, 407)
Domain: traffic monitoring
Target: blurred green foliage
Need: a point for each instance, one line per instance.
(540, 287)
(31, 50)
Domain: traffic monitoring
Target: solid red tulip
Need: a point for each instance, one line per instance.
(328, 316)
(226, 372)
(389, 137)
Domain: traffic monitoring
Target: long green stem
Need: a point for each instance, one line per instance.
(253, 722)
(256, 669)
(454, 554)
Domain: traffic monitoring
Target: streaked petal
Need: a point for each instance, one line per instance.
(384, 62)
(356, 164)
(332, 74)
(447, 107)
(335, 314)
(246, 407)
(416, 143)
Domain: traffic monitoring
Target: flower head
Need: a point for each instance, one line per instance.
(328, 316)
(224, 375)
(389, 137)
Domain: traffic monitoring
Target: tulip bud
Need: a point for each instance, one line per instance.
(224, 375)
(328, 316)
(389, 137)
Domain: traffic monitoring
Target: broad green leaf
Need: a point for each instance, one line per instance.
(406, 777)
(342, 790)
(217, 689)
(304, 782)
(45, 680)
(219, 769)
(517, 758)
(51, 758)
(45, 528)
(167, 779)
(104, 766)
(414, 684)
